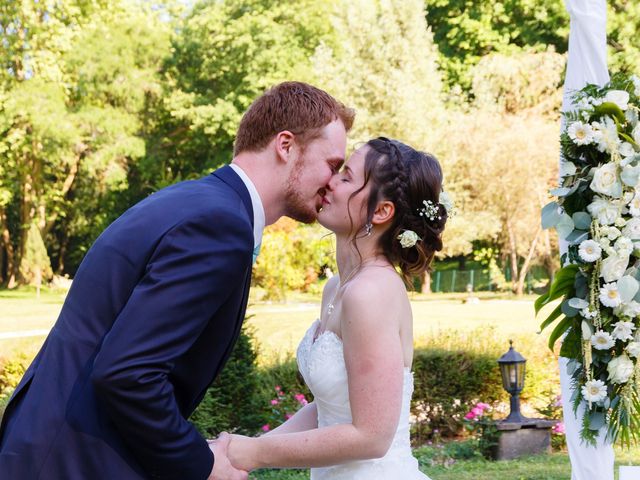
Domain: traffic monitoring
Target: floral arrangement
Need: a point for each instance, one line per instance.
(283, 407)
(597, 212)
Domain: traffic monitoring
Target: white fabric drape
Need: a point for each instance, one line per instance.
(587, 63)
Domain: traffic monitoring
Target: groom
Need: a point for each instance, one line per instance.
(158, 302)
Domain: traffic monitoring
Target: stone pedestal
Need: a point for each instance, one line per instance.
(531, 437)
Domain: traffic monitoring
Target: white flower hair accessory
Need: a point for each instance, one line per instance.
(429, 211)
(447, 202)
(408, 238)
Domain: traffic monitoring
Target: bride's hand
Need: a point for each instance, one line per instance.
(242, 452)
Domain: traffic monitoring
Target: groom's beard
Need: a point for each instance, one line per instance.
(296, 207)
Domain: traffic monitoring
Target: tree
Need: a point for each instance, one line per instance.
(385, 65)
(507, 155)
(227, 54)
(72, 84)
(466, 31)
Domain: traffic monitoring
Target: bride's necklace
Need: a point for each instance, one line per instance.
(330, 305)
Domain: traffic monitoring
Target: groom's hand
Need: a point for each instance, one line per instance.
(222, 468)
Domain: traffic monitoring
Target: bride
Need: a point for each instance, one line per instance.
(356, 359)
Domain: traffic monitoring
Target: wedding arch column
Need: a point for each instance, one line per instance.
(587, 63)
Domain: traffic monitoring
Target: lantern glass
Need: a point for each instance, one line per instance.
(513, 376)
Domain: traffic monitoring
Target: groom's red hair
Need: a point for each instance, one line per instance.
(297, 107)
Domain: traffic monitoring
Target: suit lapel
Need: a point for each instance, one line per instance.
(231, 178)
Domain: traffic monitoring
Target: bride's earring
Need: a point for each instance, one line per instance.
(367, 228)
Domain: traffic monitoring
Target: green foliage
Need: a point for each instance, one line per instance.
(447, 383)
(292, 257)
(76, 76)
(467, 30)
(35, 266)
(385, 66)
(518, 81)
(233, 403)
(226, 55)
(11, 371)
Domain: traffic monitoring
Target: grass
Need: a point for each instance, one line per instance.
(555, 466)
(279, 327)
(442, 320)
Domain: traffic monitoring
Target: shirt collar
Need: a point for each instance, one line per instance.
(256, 202)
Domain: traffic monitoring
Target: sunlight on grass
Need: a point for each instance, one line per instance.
(443, 321)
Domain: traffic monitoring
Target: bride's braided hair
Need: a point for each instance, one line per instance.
(406, 177)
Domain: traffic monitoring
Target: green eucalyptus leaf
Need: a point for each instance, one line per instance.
(567, 309)
(582, 220)
(550, 215)
(596, 420)
(577, 236)
(565, 226)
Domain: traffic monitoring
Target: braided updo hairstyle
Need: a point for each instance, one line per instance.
(406, 177)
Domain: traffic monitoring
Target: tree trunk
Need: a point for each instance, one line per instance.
(5, 235)
(66, 187)
(426, 282)
(527, 262)
(64, 242)
(513, 253)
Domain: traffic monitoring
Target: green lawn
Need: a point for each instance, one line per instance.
(541, 467)
(280, 326)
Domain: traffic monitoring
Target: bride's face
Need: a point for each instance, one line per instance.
(336, 205)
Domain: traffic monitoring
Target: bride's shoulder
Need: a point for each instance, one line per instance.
(375, 288)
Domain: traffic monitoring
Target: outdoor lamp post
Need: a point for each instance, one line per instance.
(512, 367)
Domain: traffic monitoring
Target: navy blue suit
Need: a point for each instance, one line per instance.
(154, 311)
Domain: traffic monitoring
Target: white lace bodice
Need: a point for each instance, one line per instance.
(321, 363)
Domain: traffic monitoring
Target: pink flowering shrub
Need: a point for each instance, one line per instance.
(553, 410)
(479, 423)
(283, 407)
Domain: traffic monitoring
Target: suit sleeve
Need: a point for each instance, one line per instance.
(194, 269)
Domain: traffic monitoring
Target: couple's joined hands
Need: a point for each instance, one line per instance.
(223, 469)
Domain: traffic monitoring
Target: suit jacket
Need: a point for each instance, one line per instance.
(153, 313)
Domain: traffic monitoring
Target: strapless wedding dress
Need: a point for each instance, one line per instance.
(321, 363)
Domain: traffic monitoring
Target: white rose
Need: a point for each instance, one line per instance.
(629, 175)
(632, 229)
(620, 369)
(605, 211)
(619, 97)
(606, 180)
(633, 349)
(408, 238)
(623, 246)
(611, 232)
(613, 267)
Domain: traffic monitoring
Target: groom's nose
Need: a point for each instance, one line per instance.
(330, 183)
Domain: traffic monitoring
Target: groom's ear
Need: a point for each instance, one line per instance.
(284, 142)
(384, 212)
